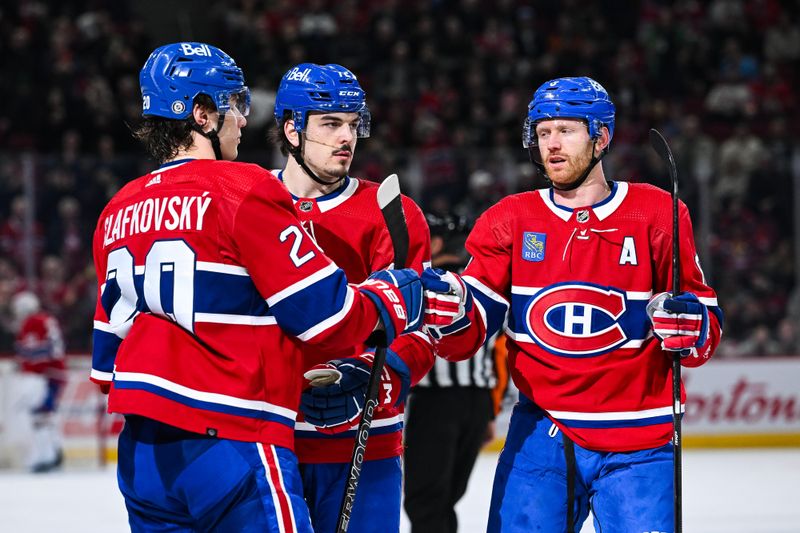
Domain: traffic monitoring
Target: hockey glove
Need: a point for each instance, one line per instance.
(398, 296)
(447, 301)
(338, 390)
(680, 322)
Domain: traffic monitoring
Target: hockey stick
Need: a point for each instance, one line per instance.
(390, 202)
(660, 145)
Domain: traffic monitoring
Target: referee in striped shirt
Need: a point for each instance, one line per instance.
(450, 412)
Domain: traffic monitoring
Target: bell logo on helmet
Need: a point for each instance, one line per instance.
(298, 75)
(178, 107)
(201, 50)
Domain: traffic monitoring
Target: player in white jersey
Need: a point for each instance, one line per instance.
(581, 271)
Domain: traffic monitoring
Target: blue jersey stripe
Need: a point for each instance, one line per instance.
(634, 321)
(204, 405)
(304, 309)
(495, 311)
(607, 424)
(104, 350)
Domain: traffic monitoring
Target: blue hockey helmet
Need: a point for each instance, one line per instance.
(580, 98)
(311, 87)
(175, 74)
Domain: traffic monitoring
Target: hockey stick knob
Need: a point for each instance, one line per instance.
(321, 377)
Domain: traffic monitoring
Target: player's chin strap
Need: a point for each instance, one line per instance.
(212, 135)
(578, 182)
(297, 154)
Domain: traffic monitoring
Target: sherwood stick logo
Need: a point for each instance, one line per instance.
(363, 435)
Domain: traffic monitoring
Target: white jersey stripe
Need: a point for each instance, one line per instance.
(479, 286)
(273, 490)
(101, 376)
(103, 326)
(315, 330)
(244, 320)
(530, 291)
(614, 415)
(283, 487)
(380, 423)
(211, 397)
(222, 268)
(302, 284)
(524, 337)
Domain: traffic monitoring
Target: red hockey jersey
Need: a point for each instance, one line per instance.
(347, 224)
(207, 281)
(40, 346)
(575, 284)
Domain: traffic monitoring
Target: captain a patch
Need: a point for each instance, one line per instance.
(533, 245)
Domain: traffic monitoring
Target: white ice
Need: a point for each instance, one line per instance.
(739, 491)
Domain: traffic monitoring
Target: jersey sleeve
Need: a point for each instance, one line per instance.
(415, 350)
(488, 278)
(306, 292)
(105, 338)
(692, 280)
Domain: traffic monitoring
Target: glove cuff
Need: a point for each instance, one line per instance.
(394, 362)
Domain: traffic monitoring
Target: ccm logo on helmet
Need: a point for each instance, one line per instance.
(577, 319)
(349, 93)
(189, 50)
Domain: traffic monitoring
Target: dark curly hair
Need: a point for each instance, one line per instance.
(163, 138)
(277, 137)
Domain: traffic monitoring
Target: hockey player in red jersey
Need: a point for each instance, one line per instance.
(573, 267)
(39, 348)
(208, 288)
(321, 113)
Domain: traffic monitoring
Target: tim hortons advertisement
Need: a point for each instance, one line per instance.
(748, 402)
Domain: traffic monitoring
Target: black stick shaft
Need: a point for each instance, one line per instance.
(390, 202)
(660, 145)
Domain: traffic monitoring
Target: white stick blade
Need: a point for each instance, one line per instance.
(388, 190)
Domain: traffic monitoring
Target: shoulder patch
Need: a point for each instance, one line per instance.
(533, 246)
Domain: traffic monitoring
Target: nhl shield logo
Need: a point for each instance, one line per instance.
(582, 216)
(305, 206)
(533, 246)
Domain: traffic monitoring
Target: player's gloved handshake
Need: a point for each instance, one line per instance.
(398, 296)
(338, 390)
(447, 302)
(680, 322)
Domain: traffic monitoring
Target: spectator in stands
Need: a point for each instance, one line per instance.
(739, 157)
(446, 79)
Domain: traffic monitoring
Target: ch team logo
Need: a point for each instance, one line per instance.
(533, 245)
(577, 319)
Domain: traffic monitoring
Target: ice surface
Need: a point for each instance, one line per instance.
(738, 491)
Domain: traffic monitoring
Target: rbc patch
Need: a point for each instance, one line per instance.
(533, 246)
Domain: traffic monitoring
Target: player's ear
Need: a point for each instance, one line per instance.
(291, 134)
(602, 141)
(201, 115)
